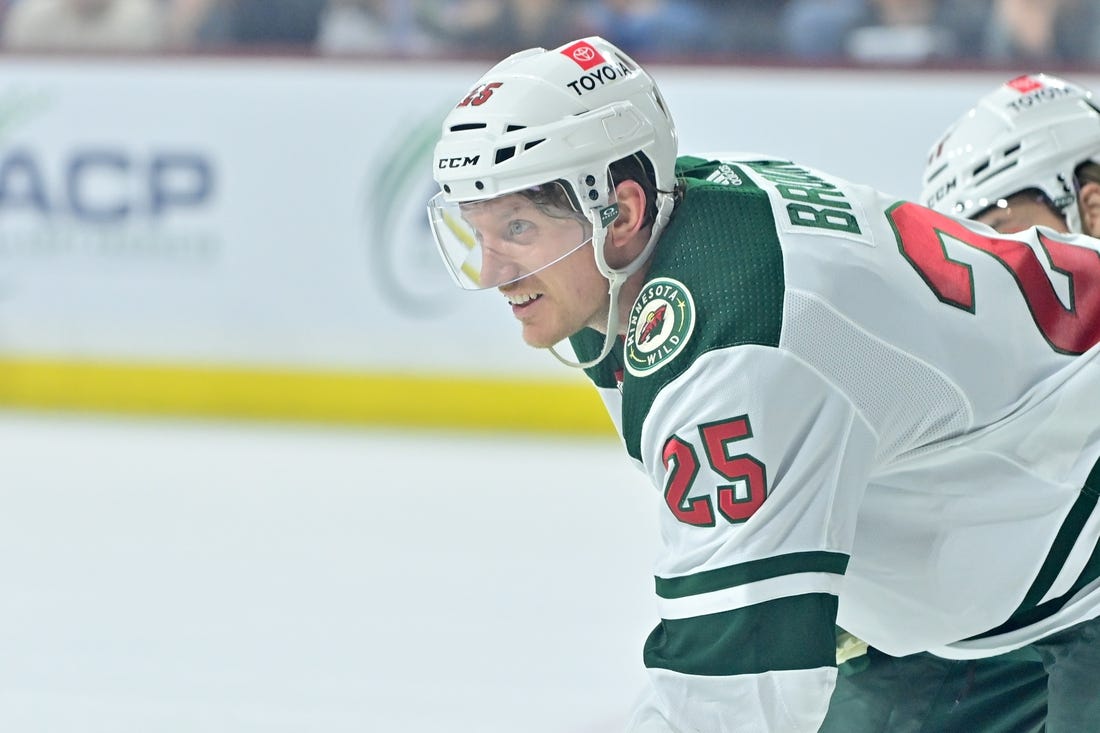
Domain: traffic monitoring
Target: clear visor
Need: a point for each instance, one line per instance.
(493, 242)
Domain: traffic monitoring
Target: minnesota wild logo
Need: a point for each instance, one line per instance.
(661, 321)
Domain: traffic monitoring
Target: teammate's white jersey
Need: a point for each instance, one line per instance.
(857, 411)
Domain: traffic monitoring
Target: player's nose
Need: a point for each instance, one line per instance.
(497, 269)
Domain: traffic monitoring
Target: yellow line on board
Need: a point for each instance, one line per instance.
(314, 396)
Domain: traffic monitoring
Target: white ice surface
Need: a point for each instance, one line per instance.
(171, 577)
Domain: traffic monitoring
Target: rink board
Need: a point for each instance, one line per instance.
(247, 237)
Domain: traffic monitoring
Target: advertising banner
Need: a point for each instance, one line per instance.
(175, 232)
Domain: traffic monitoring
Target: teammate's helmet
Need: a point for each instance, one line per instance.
(540, 117)
(1029, 133)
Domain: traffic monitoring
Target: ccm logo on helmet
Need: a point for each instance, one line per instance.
(940, 193)
(458, 162)
(598, 78)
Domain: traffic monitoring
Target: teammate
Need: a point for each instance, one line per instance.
(853, 409)
(1025, 155)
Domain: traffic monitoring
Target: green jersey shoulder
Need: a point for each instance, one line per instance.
(715, 280)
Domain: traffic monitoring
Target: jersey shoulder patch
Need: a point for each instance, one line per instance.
(661, 323)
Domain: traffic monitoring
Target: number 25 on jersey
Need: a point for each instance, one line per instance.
(743, 484)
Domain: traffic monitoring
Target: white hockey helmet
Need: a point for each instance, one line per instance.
(540, 119)
(1030, 133)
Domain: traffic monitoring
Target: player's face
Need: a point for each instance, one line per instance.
(1020, 211)
(522, 246)
(517, 236)
(493, 242)
(560, 300)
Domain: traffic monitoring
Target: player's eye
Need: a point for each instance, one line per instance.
(519, 230)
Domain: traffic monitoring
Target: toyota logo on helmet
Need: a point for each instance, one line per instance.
(1031, 132)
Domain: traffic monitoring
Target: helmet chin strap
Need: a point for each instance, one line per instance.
(617, 278)
(1073, 220)
(1072, 214)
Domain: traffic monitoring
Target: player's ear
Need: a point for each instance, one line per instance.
(1088, 200)
(632, 202)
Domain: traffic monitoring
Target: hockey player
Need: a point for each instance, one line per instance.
(1023, 156)
(853, 409)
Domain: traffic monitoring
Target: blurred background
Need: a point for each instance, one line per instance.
(262, 467)
(729, 31)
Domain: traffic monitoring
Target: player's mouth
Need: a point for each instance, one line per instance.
(520, 302)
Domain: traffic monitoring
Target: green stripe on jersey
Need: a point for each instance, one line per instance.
(1029, 613)
(750, 572)
(796, 632)
(1060, 549)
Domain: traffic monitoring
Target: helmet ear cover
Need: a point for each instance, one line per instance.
(1031, 132)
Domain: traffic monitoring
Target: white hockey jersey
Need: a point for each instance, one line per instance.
(856, 411)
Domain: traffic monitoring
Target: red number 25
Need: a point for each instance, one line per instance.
(737, 500)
